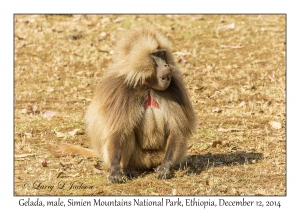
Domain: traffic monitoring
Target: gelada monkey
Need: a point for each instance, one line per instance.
(141, 116)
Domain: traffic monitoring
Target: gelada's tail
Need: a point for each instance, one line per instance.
(63, 150)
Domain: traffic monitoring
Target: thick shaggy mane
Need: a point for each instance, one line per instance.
(133, 52)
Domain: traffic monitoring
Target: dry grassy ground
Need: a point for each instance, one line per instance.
(234, 68)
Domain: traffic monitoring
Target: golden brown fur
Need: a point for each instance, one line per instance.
(126, 135)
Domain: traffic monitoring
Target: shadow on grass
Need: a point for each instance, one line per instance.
(198, 163)
(195, 164)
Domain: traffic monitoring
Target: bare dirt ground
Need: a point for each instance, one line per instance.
(234, 67)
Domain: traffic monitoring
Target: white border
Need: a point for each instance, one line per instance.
(8, 8)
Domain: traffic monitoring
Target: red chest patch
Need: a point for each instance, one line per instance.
(150, 102)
